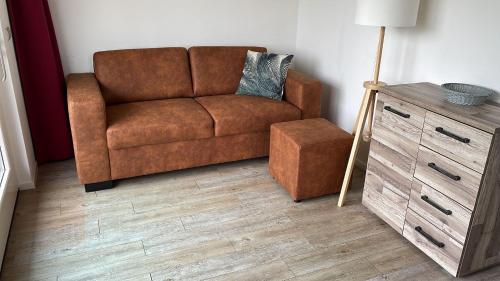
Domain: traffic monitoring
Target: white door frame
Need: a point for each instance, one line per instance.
(15, 140)
(17, 133)
(8, 188)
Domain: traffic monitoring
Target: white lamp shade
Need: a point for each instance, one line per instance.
(396, 13)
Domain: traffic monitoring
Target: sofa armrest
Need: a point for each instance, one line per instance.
(303, 92)
(87, 116)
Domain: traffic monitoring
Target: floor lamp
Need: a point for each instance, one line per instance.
(380, 13)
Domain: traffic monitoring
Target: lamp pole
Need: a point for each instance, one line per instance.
(376, 74)
(381, 37)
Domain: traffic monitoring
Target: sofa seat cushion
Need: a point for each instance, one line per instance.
(157, 122)
(234, 114)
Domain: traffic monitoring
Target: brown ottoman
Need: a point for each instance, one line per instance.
(309, 157)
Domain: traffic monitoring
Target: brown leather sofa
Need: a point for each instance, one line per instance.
(147, 111)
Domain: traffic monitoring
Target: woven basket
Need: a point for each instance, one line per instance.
(465, 94)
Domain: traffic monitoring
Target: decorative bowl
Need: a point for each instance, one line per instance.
(466, 94)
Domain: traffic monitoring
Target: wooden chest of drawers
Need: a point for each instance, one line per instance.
(433, 174)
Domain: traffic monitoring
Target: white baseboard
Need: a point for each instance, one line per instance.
(32, 183)
(27, 186)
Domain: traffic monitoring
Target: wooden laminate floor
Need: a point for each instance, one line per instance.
(222, 222)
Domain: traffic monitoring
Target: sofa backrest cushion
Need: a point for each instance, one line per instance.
(218, 70)
(143, 74)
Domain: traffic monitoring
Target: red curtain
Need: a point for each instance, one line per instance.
(42, 78)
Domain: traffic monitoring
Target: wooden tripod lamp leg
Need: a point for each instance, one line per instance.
(367, 135)
(367, 100)
(358, 116)
(367, 108)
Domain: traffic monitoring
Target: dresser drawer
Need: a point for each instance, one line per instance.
(444, 213)
(455, 140)
(436, 244)
(448, 177)
(393, 129)
(382, 198)
(401, 111)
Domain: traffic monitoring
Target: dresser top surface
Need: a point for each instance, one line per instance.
(432, 97)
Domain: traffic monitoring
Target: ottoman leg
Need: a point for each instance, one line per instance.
(297, 200)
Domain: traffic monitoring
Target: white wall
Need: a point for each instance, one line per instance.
(454, 41)
(86, 26)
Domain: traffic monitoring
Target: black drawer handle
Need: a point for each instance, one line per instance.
(435, 205)
(429, 237)
(444, 172)
(397, 112)
(452, 135)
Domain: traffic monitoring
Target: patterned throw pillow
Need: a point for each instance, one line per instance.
(264, 75)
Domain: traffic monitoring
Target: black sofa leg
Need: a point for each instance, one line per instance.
(91, 187)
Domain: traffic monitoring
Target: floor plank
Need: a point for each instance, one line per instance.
(222, 222)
